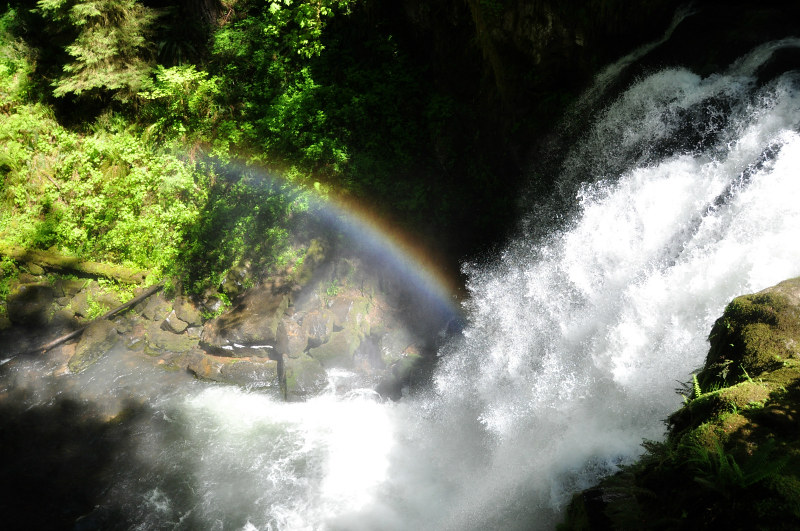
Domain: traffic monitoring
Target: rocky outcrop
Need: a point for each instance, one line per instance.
(98, 338)
(325, 314)
(732, 454)
(281, 335)
(254, 322)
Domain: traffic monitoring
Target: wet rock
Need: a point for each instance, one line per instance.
(317, 327)
(303, 377)
(156, 307)
(398, 375)
(351, 311)
(187, 312)
(338, 351)
(69, 287)
(29, 304)
(297, 340)
(255, 320)
(367, 357)
(261, 373)
(395, 343)
(98, 338)
(34, 269)
(5, 323)
(93, 300)
(158, 341)
(194, 332)
(173, 324)
(756, 333)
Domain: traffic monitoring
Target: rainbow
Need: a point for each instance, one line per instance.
(384, 244)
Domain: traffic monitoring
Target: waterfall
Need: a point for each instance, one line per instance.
(681, 194)
(684, 194)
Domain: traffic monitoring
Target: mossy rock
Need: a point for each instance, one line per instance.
(98, 338)
(249, 373)
(338, 351)
(187, 312)
(732, 455)
(303, 377)
(158, 341)
(756, 333)
(710, 405)
(255, 319)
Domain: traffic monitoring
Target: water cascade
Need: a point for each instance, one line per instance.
(681, 194)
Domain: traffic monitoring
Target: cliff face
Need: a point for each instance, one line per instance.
(732, 454)
(508, 54)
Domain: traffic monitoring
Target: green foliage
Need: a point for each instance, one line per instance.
(8, 274)
(184, 103)
(104, 196)
(245, 217)
(95, 308)
(110, 51)
(15, 63)
(696, 391)
(718, 470)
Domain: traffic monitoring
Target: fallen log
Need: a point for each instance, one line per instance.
(61, 262)
(107, 315)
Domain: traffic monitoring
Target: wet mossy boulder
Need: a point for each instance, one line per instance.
(98, 338)
(259, 373)
(159, 340)
(756, 333)
(187, 312)
(303, 377)
(256, 319)
(338, 352)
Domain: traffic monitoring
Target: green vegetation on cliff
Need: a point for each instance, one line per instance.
(732, 455)
(181, 138)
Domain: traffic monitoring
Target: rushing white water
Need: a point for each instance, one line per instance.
(683, 194)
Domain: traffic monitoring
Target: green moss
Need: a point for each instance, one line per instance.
(756, 333)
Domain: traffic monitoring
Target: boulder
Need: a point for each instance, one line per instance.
(255, 320)
(351, 311)
(93, 300)
(296, 339)
(339, 350)
(29, 304)
(155, 308)
(317, 327)
(187, 312)
(173, 324)
(756, 333)
(69, 287)
(303, 377)
(260, 373)
(158, 341)
(98, 338)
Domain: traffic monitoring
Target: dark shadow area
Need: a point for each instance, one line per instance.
(58, 460)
